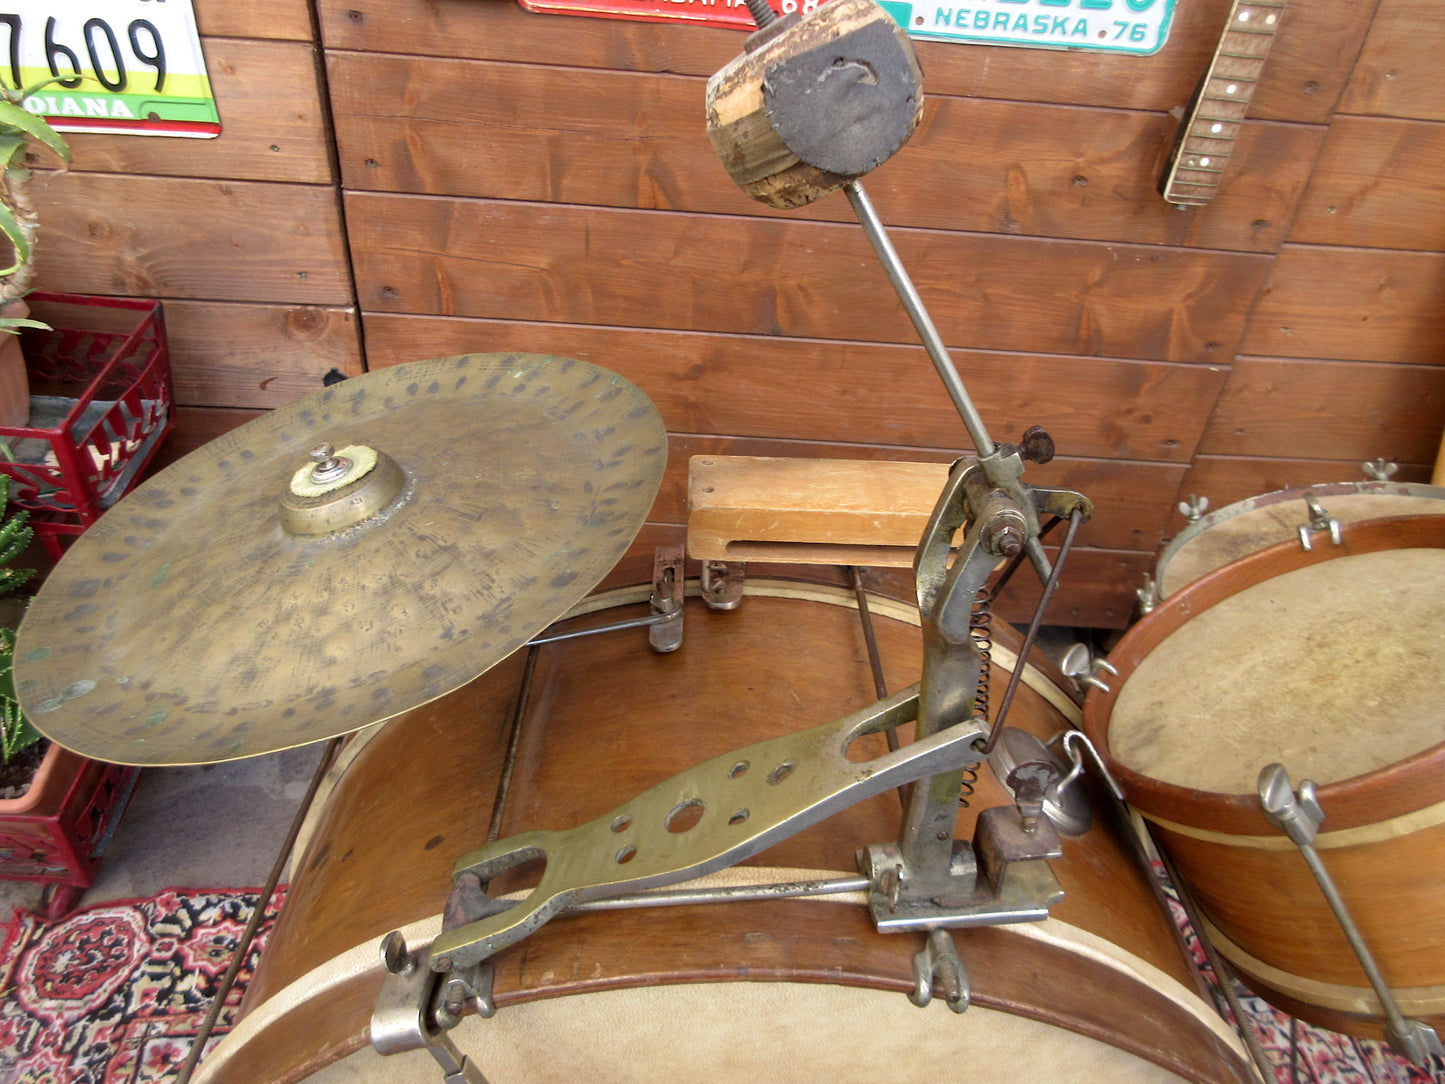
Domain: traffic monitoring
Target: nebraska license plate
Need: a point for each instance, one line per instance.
(1115, 26)
(126, 66)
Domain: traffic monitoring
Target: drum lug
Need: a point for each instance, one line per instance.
(1299, 816)
(722, 584)
(667, 590)
(938, 962)
(1320, 521)
(413, 1011)
(1082, 666)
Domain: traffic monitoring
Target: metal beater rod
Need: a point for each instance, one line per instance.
(922, 322)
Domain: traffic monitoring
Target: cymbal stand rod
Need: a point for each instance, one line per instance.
(922, 322)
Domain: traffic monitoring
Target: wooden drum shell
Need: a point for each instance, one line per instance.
(1383, 838)
(607, 718)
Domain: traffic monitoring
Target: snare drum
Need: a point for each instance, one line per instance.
(777, 990)
(1221, 537)
(1329, 662)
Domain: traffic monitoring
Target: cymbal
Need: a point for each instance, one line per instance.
(258, 595)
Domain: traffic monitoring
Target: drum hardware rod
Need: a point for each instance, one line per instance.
(616, 626)
(1081, 666)
(1076, 517)
(1227, 985)
(514, 742)
(1299, 815)
(677, 897)
(720, 584)
(248, 935)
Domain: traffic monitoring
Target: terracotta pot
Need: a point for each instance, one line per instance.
(14, 380)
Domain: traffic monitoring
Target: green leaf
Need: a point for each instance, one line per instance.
(16, 236)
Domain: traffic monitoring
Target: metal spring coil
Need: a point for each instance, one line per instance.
(980, 628)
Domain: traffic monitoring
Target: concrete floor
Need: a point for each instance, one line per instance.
(215, 826)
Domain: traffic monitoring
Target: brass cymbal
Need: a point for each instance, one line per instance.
(248, 598)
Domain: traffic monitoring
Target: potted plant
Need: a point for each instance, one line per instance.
(17, 735)
(19, 129)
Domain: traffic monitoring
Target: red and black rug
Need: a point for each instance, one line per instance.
(115, 994)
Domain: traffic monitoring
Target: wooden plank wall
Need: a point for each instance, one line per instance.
(511, 181)
(241, 236)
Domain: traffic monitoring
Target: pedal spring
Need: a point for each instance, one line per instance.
(980, 628)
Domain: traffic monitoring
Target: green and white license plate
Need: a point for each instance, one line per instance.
(1113, 26)
(126, 66)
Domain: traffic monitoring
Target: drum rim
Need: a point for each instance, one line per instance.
(1205, 523)
(1394, 790)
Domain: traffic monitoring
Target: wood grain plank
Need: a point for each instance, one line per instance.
(1398, 73)
(1377, 185)
(1225, 480)
(282, 20)
(855, 392)
(257, 356)
(1131, 500)
(1356, 304)
(272, 123)
(1304, 79)
(567, 136)
(170, 237)
(776, 277)
(1358, 410)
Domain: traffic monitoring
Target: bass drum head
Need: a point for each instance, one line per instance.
(1223, 537)
(776, 989)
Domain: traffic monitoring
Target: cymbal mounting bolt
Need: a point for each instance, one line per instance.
(1005, 537)
(327, 465)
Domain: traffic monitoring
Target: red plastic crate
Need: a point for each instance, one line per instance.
(61, 829)
(101, 403)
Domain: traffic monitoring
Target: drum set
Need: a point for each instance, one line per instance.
(780, 845)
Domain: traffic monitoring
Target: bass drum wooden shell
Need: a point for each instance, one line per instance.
(783, 990)
(1293, 656)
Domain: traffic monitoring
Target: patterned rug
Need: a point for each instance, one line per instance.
(115, 994)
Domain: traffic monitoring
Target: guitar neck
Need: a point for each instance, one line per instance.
(1207, 135)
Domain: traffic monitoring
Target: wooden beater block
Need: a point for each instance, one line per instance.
(809, 511)
(815, 102)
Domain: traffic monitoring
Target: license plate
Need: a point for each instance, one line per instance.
(121, 66)
(1111, 26)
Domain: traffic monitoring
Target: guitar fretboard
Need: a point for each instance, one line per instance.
(1207, 135)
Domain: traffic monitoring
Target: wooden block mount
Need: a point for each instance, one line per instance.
(809, 511)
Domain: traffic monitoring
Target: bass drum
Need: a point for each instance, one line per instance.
(1326, 661)
(1236, 531)
(780, 990)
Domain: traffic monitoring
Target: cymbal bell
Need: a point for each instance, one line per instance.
(264, 592)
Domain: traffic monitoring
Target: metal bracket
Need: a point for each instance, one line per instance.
(414, 1010)
(1299, 817)
(938, 962)
(667, 592)
(1082, 666)
(722, 584)
(704, 819)
(1320, 521)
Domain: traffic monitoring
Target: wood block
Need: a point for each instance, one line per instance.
(824, 511)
